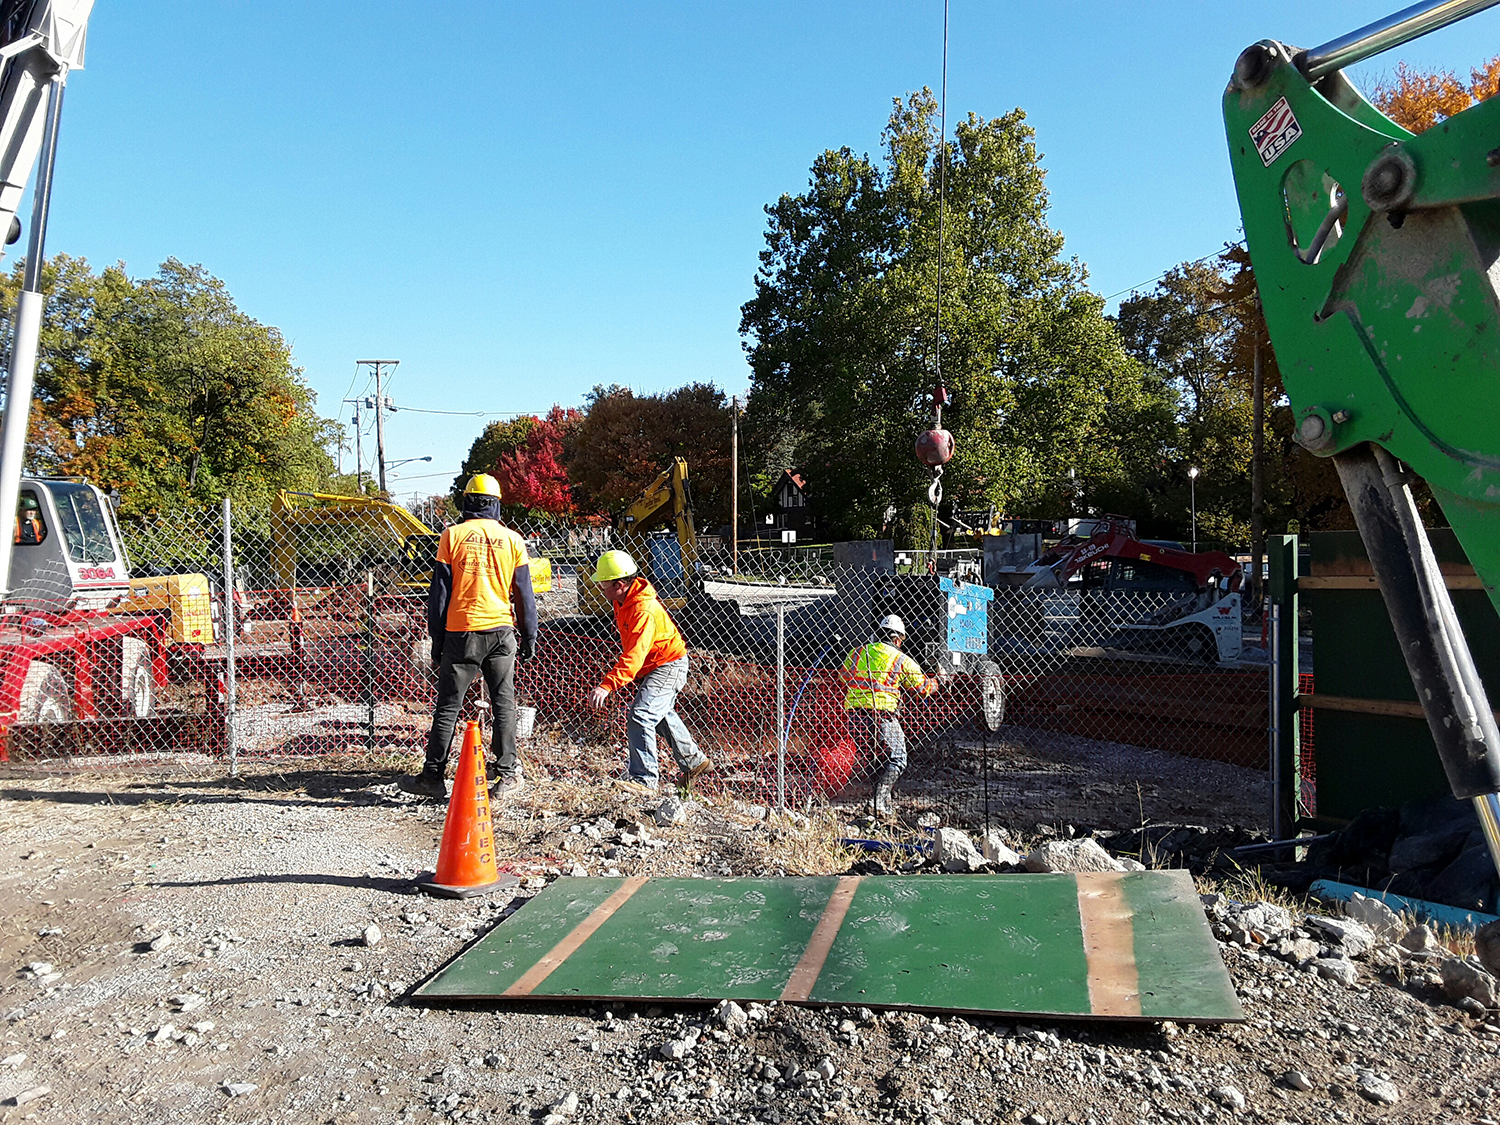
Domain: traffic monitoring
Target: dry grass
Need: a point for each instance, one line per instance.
(1247, 884)
(813, 849)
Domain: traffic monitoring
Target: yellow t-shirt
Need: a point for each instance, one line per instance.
(484, 556)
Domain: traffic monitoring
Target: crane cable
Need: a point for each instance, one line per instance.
(939, 390)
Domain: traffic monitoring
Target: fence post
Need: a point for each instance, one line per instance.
(781, 706)
(229, 623)
(1285, 732)
(369, 659)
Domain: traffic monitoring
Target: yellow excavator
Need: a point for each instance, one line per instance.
(320, 539)
(666, 500)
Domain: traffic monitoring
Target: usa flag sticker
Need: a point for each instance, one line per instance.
(1274, 133)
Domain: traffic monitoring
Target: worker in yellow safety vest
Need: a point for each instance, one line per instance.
(876, 673)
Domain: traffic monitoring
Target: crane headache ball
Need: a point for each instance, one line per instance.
(934, 447)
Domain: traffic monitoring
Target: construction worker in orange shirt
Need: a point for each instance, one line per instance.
(654, 655)
(481, 615)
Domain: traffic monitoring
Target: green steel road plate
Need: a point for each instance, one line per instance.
(1132, 946)
(988, 943)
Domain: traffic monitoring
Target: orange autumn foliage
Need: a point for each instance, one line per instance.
(1417, 101)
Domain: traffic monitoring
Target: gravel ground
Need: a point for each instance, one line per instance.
(177, 946)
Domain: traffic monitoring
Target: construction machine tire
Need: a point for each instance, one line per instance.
(137, 681)
(1202, 644)
(991, 695)
(45, 696)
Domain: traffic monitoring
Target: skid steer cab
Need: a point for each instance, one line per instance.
(69, 650)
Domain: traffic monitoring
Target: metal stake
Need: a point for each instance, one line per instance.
(369, 659)
(229, 623)
(986, 753)
(1279, 829)
(781, 707)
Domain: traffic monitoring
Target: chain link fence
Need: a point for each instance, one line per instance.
(1096, 706)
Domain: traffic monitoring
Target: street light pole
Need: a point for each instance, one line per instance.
(734, 487)
(1193, 503)
(406, 461)
(359, 456)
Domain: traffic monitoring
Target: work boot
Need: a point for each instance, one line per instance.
(692, 775)
(507, 784)
(428, 783)
(884, 797)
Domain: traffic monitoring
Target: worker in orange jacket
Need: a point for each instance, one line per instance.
(654, 655)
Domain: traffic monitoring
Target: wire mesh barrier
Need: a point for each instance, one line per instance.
(1094, 705)
(1307, 757)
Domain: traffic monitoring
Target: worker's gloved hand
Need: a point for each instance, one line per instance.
(525, 648)
(437, 650)
(598, 697)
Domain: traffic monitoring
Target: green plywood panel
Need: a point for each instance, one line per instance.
(1177, 960)
(985, 943)
(496, 962)
(1364, 761)
(706, 938)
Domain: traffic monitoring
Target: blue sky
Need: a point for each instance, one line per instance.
(522, 201)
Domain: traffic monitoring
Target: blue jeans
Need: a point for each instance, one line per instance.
(879, 731)
(653, 712)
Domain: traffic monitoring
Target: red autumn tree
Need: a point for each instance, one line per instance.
(526, 456)
(625, 440)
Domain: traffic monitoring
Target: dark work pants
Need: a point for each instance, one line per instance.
(465, 656)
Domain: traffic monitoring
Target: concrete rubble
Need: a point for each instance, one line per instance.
(953, 851)
(297, 1016)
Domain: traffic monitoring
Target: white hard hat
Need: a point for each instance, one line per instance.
(890, 623)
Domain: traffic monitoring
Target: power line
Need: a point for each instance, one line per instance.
(1169, 269)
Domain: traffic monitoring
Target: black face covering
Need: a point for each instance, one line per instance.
(479, 507)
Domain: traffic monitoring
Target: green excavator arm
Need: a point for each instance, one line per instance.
(1377, 257)
(1374, 251)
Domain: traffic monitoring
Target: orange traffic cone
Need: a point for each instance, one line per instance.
(466, 858)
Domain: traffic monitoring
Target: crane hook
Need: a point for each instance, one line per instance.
(935, 489)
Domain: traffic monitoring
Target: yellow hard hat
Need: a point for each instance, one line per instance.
(614, 564)
(482, 484)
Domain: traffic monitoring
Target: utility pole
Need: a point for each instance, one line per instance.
(380, 409)
(734, 486)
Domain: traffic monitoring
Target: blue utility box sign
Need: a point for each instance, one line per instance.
(968, 615)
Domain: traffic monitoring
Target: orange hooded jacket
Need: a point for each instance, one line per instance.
(648, 636)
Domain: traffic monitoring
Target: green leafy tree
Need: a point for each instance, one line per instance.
(1183, 331)
(841, 334)
(1196, 332)
(164, 389)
